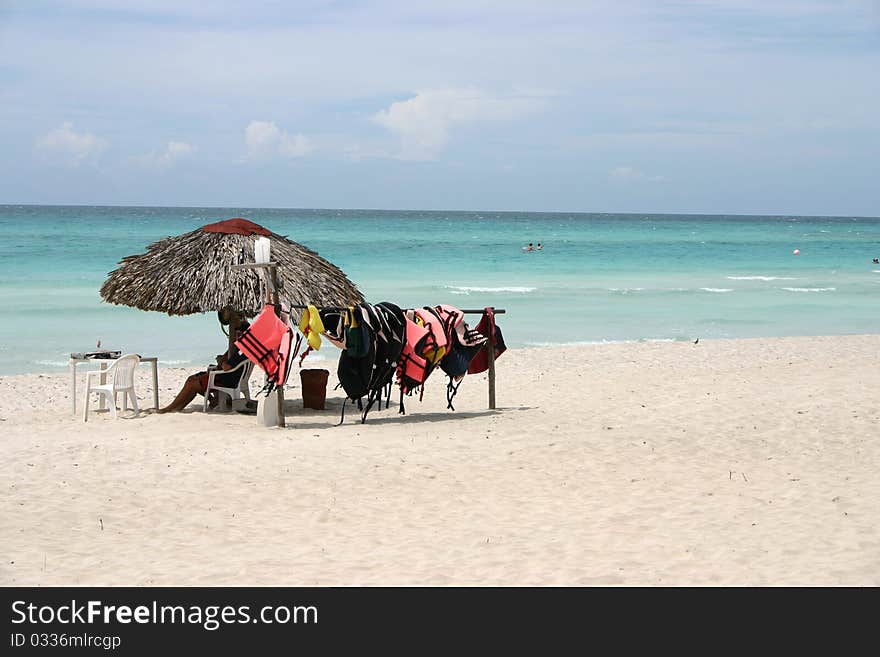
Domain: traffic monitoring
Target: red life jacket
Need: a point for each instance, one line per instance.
(487, 327)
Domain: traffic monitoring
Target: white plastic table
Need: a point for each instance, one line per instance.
(152, 360)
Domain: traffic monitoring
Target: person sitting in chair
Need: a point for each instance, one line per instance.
(197, 384)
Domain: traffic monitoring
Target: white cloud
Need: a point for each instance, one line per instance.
(264, 139)
(296, 146)
(73, 147)
(626, 173)
(174, 151)
(178, 149)
(260, 137)
(423, 123)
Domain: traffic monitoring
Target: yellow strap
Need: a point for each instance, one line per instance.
(311, 326)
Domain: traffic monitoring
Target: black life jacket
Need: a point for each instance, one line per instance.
(355, 366)
(374, 338)
(389, 325)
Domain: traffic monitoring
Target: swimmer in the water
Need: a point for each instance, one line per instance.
(539, 246)
(530, 247)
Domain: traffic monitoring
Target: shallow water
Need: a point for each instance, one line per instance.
(599, 278)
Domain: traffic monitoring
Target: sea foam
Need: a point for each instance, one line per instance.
(467, 289)
(53, 363)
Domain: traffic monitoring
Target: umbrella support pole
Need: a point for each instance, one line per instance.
(272, 280)
(272, 286)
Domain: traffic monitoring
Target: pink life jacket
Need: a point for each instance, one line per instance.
(439, 344)
(451, 318)
(413, 367)
(268, 344)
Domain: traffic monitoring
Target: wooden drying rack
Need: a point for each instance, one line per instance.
(273, 287)
(490, 347)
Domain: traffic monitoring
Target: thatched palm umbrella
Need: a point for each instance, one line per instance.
(192, 273)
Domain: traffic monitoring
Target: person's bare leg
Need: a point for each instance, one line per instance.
(190, 389)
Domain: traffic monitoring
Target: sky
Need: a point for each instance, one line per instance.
(709, 106)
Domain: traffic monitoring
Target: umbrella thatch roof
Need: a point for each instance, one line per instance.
(192, 273)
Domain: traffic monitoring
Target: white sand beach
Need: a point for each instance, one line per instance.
(727, 462)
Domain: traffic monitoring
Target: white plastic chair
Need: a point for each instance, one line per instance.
(242, 389)
(121, 376)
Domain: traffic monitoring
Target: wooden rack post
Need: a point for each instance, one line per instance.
(490, 352)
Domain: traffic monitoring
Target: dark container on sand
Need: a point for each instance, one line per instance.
(314, 388)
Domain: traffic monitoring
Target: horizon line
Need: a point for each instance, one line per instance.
(246, 207)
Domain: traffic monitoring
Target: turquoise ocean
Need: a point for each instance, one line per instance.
(599, 278)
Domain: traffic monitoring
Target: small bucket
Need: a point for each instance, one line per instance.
(314, 388)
